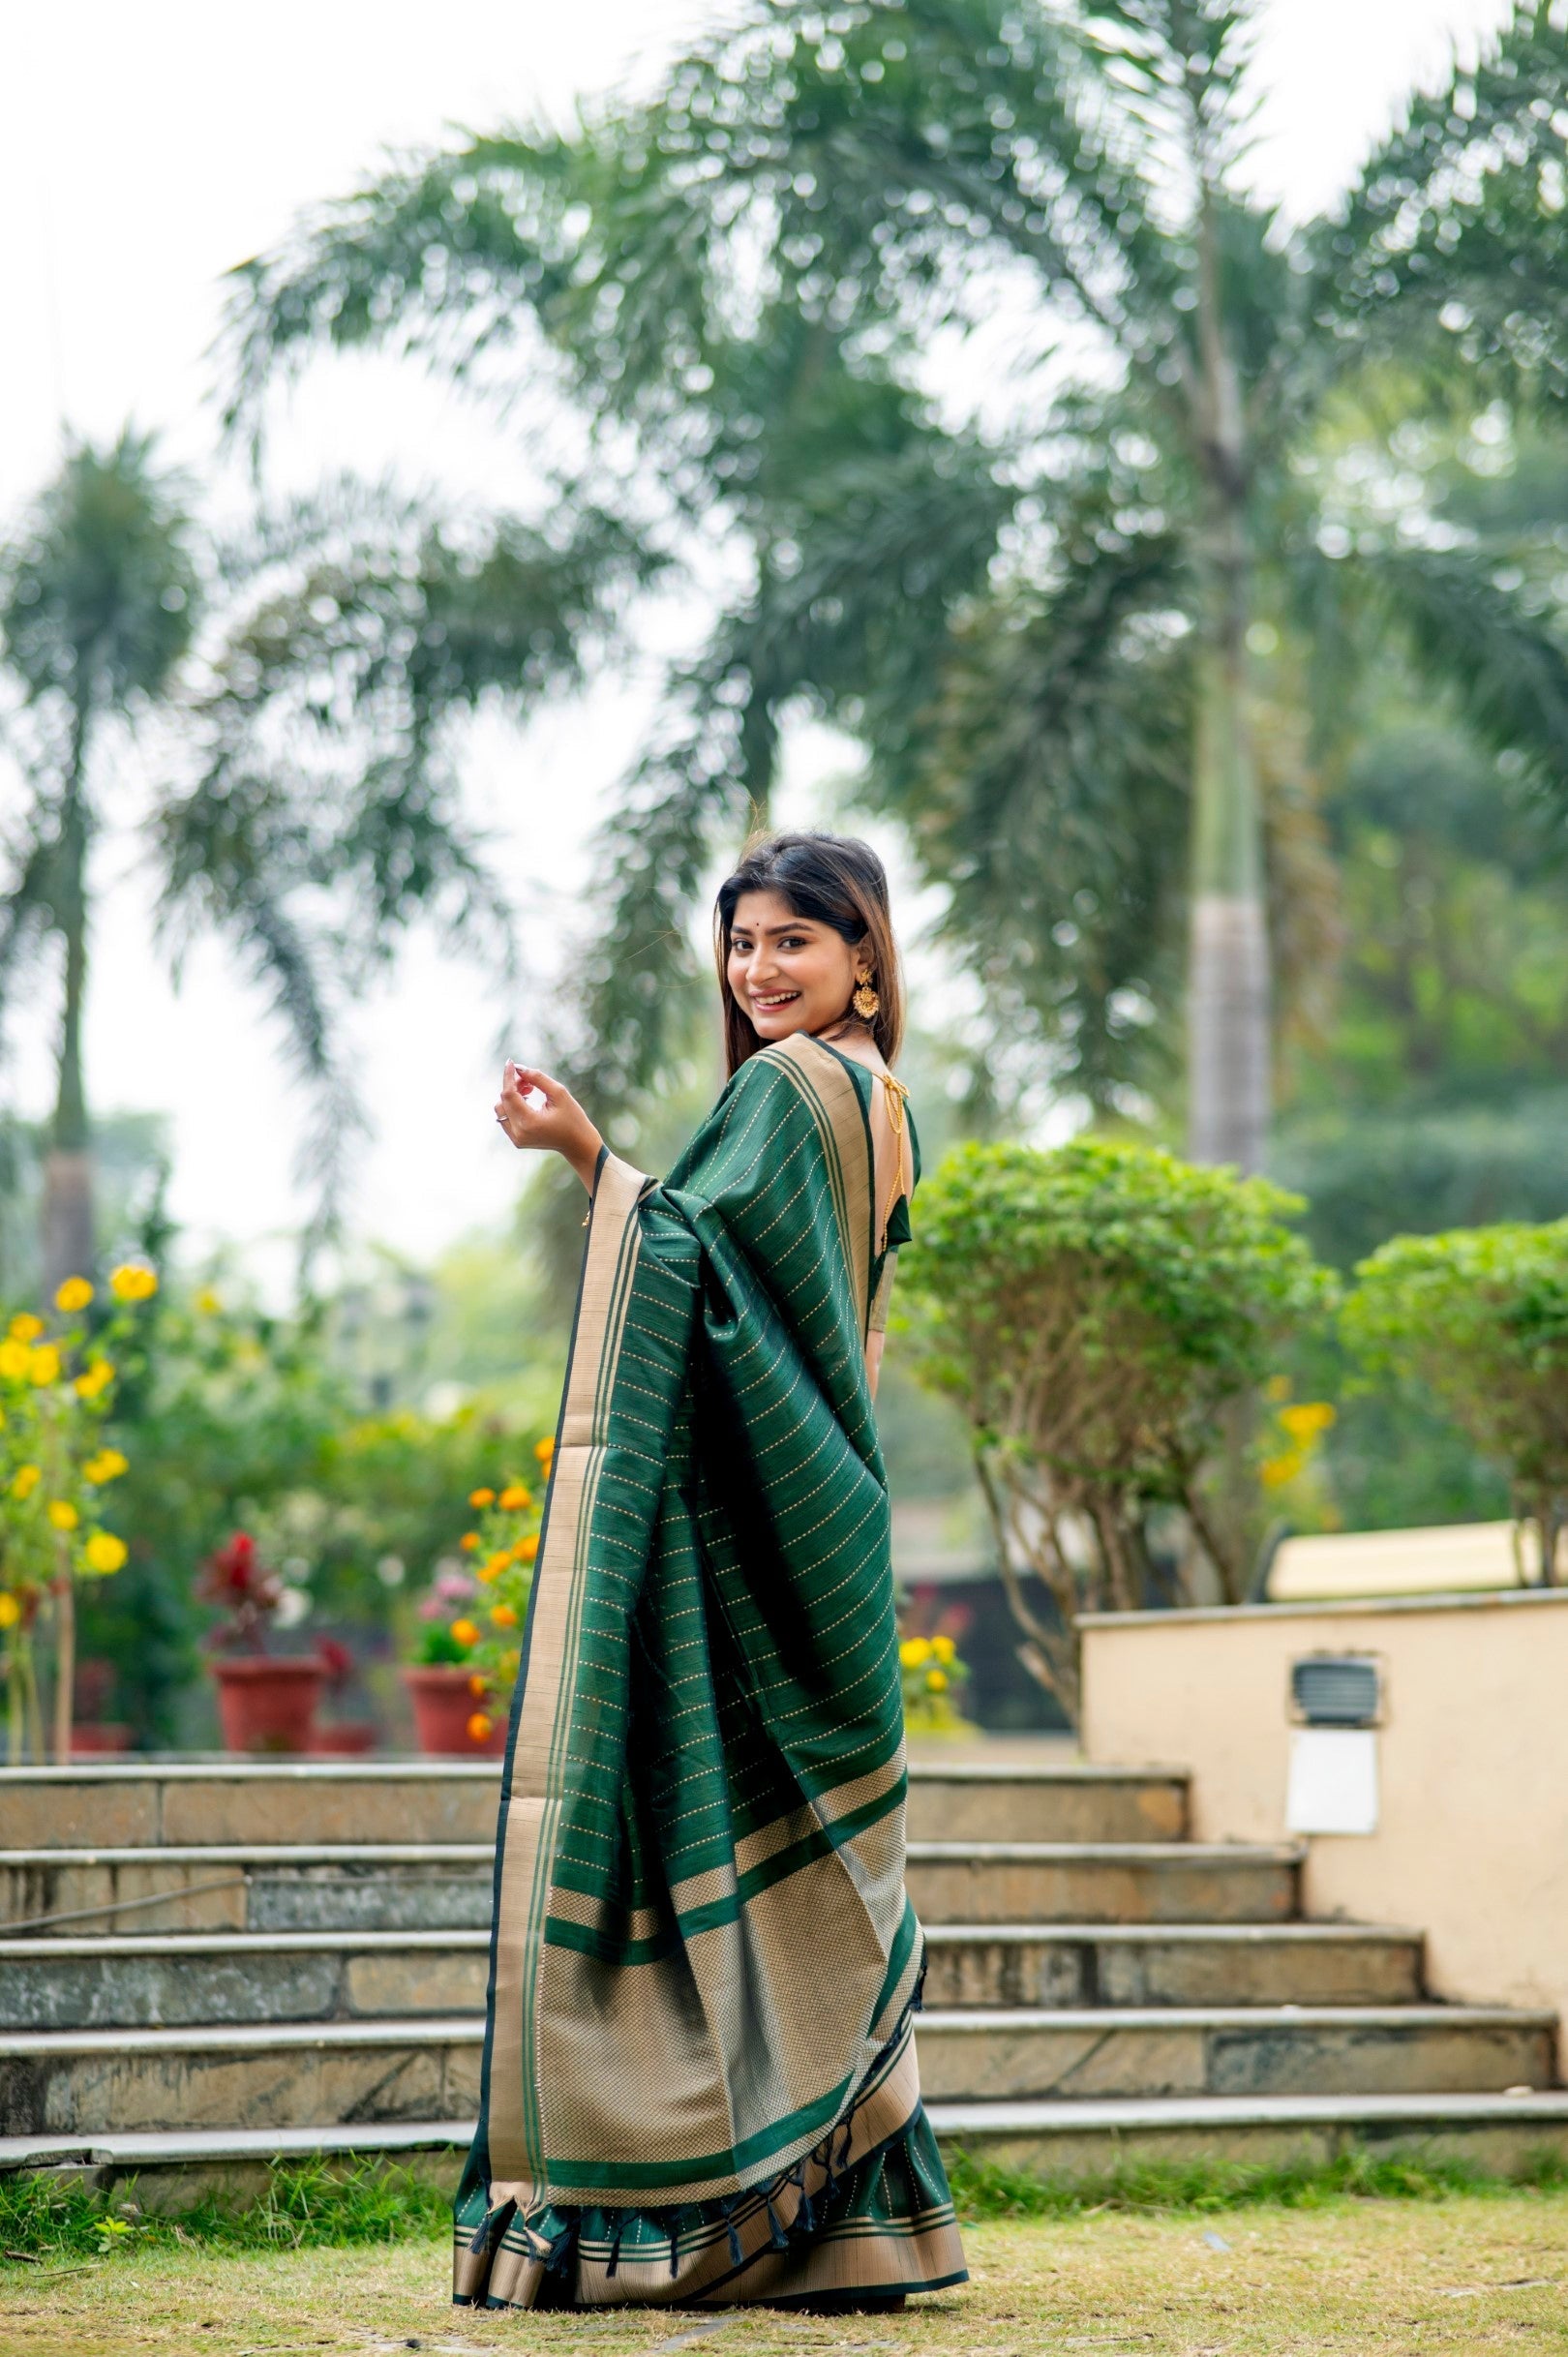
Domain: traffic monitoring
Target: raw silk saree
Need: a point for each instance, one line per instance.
(700, 2083)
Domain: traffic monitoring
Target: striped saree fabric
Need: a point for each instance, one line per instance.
(700, 2083)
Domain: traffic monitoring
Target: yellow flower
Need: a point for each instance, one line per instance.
(62, 1514)
(944, 1649)
(527, 1548)
(504, 1615)
(478, 1727)
(107, 1466)
(25, 1328)
(43, 1365)
(15, 1357)
(10, 1610)
(545, 1449)
(515, 1498)
(1307, 1420)
(496, 1564)
(131, 1281)
(93, 1381)
(465, 1632)
(936, 1681)
(509, 1663)
(470, 1541)
(1276, 1471)
(481, 1498)
(208, 1302)
(915, 1651)
(25, 1480)
(74, 1294)
(104, 1551)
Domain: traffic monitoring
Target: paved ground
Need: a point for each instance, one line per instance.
(1464, 2275)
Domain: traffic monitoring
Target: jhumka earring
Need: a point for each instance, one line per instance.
(865, 1001)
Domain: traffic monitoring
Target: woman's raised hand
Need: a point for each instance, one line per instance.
(535, 1110)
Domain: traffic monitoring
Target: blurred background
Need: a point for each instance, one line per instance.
(456, 473)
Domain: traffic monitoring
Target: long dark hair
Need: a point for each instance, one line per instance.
(833, 879)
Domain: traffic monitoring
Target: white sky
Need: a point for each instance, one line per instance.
(145, 150)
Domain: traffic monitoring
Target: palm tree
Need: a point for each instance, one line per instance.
(99, 605)
(843, 183)
(312, 810)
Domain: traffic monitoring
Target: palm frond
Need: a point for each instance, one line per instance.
(1454, 243)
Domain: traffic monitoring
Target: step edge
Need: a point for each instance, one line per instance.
(172, 2144)
(1023, 2117)
(1113, 1852)
(1302, 1933)
(1419, 2015)
(245, 2036)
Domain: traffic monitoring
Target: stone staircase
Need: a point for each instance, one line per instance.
(207, 1965)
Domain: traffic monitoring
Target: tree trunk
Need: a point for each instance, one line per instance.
(68, 1170)
(1228, 1013)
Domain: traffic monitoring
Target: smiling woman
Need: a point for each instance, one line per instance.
(699, 2081)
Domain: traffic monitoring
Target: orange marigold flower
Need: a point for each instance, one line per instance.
(515, 1498)
(481, 1498)
(504, 1615)
(476, 1687)
(469, 1540)
(478, 1727)
(545, 1449)
(465, 1632)
(526, 1549)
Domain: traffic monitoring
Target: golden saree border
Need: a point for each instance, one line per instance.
(825, 1080)
(533, 1802)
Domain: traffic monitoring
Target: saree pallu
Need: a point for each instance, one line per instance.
(699, 2078)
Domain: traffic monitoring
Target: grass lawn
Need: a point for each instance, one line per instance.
(1461, 2271)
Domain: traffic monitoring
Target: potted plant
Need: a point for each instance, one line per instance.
(471, 1644)
(265, 1702)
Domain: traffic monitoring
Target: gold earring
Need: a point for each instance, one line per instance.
(865, 1001)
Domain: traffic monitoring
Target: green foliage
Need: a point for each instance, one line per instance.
(743, 275)
(1479, 1319)
(306, 2204)
(1096, 1311)
(985, 2189)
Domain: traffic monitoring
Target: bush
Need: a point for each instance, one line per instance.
(1095, 1311)
(1478, 1319)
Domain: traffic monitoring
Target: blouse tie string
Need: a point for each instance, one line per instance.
(897, 1095)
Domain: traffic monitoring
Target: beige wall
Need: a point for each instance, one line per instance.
(1472, 1842)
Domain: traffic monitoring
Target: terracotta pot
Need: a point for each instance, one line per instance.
(443, 1706)
(269, 1703)
(347, 1738)
(91, 1737)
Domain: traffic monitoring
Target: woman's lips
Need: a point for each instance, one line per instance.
(770, 1005)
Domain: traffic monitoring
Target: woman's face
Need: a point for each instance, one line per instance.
(788, 973)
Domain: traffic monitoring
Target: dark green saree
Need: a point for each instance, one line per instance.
(700, 2083)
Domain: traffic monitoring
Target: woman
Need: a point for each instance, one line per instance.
(700, 2083)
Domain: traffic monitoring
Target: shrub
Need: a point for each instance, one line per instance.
(1479, 1320)
(1094, 1312)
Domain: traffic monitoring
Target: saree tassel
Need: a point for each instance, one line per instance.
(778, 2240)
(736, 2250)
(615, 2243)
(497, 2220)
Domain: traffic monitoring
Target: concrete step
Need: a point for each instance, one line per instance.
(158, 1981)
(148, 1981)
(1235, 2050)
(250, 2075)
(1491, 2131)
(288, 1886)
(175, 2168)
(1104, 1881)
(445, 1885)
(1149, 1964)
(212, 1803)
(242, 2075)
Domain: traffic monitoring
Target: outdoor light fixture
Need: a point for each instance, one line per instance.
(1337, 1704)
